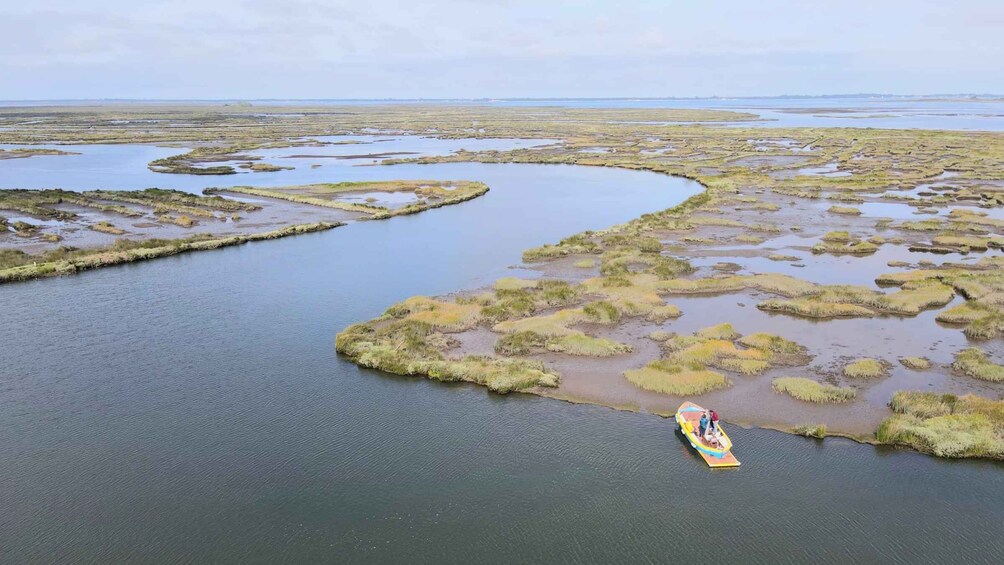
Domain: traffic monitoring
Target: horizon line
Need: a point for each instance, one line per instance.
(517, 98)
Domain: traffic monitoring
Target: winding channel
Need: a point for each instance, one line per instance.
(192, 408)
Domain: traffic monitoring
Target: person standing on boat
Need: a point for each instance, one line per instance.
(703, 425)
(714, 420)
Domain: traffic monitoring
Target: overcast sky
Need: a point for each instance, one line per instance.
(60, 49)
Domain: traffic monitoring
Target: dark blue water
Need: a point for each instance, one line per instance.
(192, 409)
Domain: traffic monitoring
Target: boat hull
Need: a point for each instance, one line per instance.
(687, 417)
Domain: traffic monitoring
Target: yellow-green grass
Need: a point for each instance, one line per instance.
(575, 343)
(582, 344)
(107, 227)
(676, 380)
(437, 192)
(19, 266)
(983, 321)
(45, 203)
(660, 335)
(866, 369)
(31, 152)
(963, 242)
(764, 228)
(809, 390)
(699, 351)
(851, 248)
(550, 325)
(264, 167)
(814, 309)
(974, 363)
(518, 298)
(572, 245)
(772, 343)
(183, 221)
(408, 347)
(915, 363)
(945, 425)
(817, 431)
(720, 332)
(632, 295)
(836, 237)
(513, 283)
(773, 282)
(847, 301)
(844, 210)
(584, 264)
(660, 314)
(440, 315)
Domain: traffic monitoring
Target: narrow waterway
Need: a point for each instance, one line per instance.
(192, 409)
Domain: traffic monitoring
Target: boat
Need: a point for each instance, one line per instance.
(717, 450)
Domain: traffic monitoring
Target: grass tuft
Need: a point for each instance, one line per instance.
(974, 363)
(811, 391)
(866, 369)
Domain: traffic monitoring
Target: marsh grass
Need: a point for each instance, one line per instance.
(849, 248)
(444, 316)
(836, 237)
(945, 425)
(974, 363)
(107, 227)
(437, 194)
(676, 380)
(402, 346)
(720, 332)
(817, 431)
(915, 363)
(866, 369)
(815, 309)
(811, 391)
(774, 283)
(16, 265)
(844, 210)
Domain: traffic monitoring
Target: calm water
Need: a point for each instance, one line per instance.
(192, 409)
(850, 111)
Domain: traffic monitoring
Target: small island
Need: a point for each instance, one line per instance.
(59, 232)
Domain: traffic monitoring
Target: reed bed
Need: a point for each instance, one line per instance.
(809, 390)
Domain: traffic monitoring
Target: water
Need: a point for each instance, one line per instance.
(835, 111)
(192, 408)
(124, 167)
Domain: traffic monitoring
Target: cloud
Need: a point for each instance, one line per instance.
(468, 48)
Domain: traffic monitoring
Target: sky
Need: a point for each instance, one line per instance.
(253, 49)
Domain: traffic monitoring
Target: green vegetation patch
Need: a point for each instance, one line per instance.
(915, 363)
(946, 425)
(866, 369)
(817, 431)
(676, 380)
(811, 391)
(15, 265)
(844, 210)
(406, 346)
(974, 363)
(429, 193)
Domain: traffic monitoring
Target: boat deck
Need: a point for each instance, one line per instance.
(694, 417)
